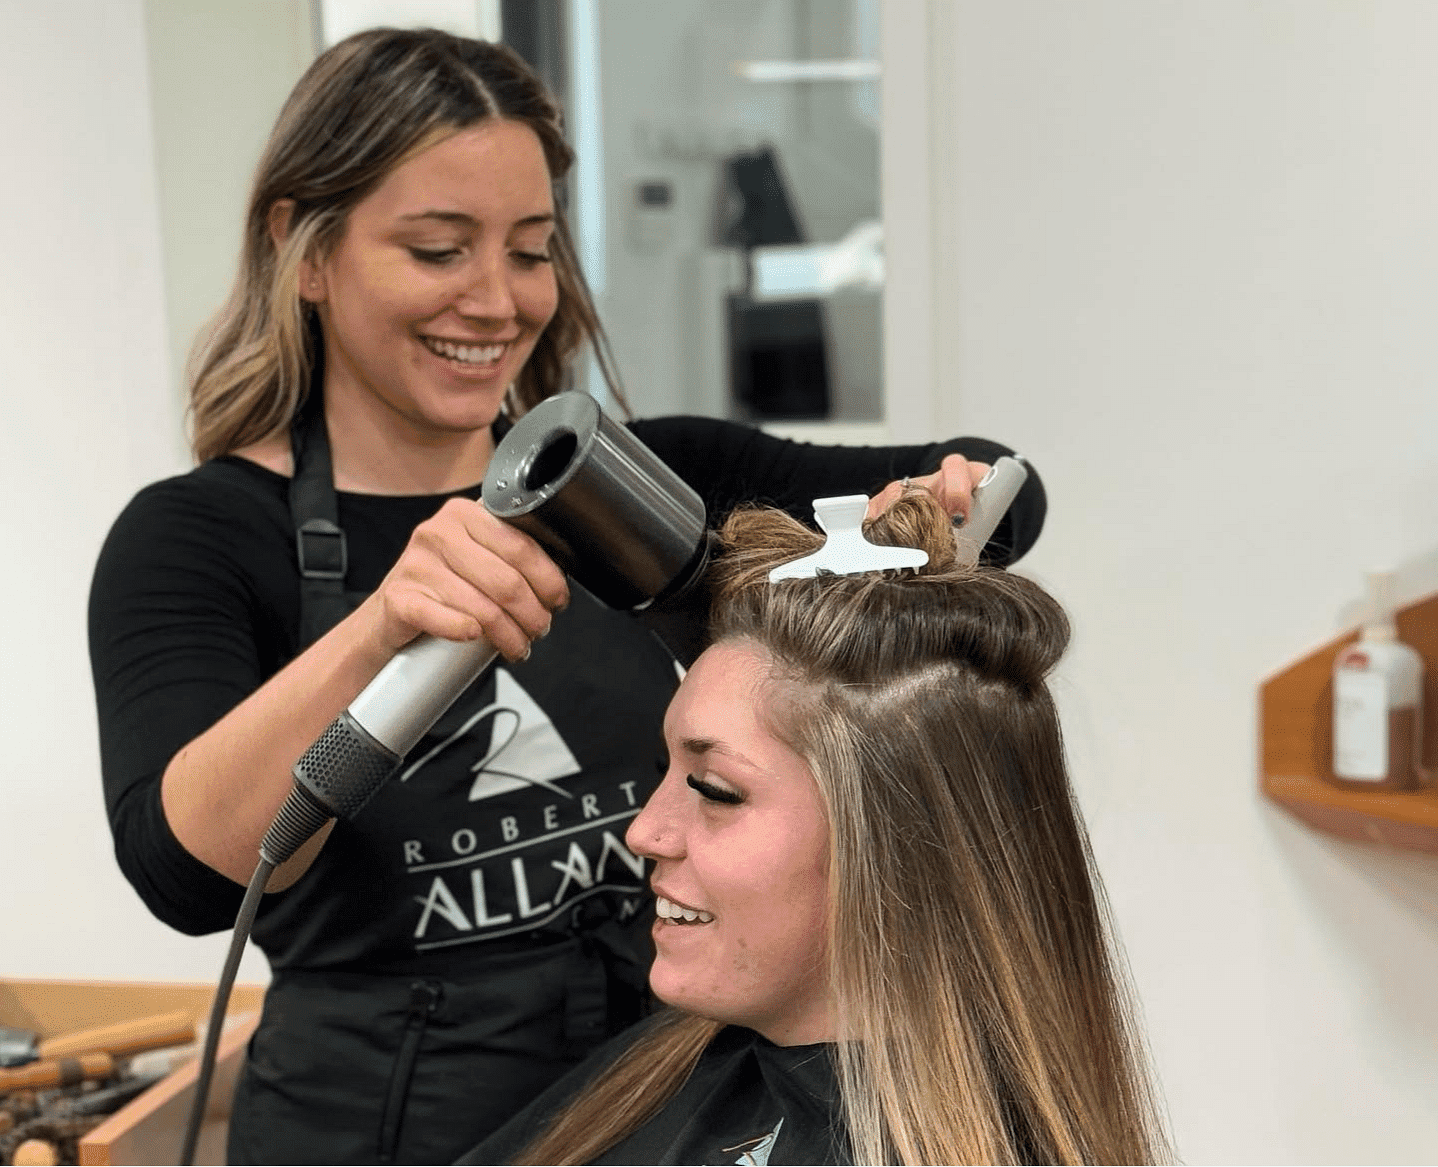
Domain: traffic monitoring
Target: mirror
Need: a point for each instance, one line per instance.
(739, 267)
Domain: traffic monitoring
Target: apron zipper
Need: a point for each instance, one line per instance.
(424, 999)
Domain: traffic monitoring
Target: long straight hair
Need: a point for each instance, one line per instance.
(364, 107)
(982, 1016)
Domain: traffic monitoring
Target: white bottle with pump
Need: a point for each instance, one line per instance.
(1377, 690)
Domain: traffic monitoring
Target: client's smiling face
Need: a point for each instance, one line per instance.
(740, 842)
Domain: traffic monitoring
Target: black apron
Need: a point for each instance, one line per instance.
(352, 1067)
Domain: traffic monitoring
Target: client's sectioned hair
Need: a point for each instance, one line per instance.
(981, 1017)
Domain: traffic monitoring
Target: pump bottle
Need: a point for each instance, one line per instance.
(1377, 691)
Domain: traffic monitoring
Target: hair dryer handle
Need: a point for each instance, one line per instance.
(364, 745)
(415, 688)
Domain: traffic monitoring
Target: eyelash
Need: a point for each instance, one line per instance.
(434, 257)
(526, 259)
(713, 793)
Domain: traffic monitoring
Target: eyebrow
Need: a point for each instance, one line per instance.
(469, 220)
(701, 746)
(698, 745)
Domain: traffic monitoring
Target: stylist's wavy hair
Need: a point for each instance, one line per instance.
(365, 106)
(981, 1014)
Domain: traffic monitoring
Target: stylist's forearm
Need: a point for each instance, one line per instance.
(220, 792)
(463, 575)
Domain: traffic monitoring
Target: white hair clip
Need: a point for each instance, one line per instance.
(846, 551)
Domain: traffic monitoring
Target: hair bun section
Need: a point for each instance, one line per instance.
(876, 626)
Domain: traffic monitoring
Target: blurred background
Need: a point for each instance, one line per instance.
(1184, 256)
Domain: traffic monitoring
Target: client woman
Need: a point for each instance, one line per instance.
(879, 933)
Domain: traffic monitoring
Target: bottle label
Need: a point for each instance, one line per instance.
(1360, 725)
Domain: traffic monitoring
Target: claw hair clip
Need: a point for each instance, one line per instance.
(847, 552)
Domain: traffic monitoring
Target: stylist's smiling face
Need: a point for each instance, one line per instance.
(442, 282)
(740, 844)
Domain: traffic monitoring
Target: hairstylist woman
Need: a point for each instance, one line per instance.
(406, 285)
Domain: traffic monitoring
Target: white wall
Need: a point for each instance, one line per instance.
(1189, 263)
(219, 72)
(87, 416)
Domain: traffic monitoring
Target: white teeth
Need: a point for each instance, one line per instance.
(668, 910)
(469, 354)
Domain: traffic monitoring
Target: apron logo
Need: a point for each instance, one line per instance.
(519, 730)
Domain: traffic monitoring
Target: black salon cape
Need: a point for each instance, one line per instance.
(747, 1101)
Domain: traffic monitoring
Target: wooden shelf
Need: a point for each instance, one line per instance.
(1296, 746)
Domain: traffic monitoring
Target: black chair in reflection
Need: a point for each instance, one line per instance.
(778, 363)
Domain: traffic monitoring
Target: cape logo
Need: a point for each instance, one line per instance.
(756, 1152)
(524, 747)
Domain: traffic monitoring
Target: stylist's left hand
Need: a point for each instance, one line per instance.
(952, 484)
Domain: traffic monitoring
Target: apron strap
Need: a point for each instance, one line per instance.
(314, 510)
(320, 545)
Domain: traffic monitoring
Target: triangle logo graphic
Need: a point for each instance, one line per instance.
(524, 747)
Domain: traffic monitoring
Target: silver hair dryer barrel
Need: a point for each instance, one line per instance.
(610, 513)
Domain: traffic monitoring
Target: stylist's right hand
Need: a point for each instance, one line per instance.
(466, 574)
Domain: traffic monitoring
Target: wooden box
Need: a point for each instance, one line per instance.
(148, 1129)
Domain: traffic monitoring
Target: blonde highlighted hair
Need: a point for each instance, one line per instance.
(982, 1014)
(364, 107)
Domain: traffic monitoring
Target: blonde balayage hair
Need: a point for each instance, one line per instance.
(365, 106)
(982, 1015)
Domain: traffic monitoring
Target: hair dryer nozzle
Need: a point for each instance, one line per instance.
(609, 512)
